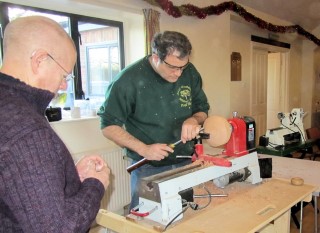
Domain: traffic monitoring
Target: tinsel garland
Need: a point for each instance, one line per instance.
(202, 13)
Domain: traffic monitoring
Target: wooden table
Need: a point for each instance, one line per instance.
(308, 170)
(287, 151)
(264, 207)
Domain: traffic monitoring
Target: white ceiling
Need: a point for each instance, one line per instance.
(305, 13)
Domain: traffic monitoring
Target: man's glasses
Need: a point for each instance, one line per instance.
(181, 68)
(68, 76)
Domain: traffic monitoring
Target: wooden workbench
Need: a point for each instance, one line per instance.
(308, 170)
(252, 210)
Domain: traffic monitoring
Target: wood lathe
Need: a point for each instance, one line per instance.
(164, 196)
(250, 207)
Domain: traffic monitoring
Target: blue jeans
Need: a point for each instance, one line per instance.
(145, 171)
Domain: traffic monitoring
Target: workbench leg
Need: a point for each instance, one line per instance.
(301, 215)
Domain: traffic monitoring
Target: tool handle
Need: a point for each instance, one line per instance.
(144, 160)
(136, 165)
(173, 145)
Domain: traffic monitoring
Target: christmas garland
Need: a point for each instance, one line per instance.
(202, 13)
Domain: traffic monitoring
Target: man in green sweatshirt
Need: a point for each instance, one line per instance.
(154, 102)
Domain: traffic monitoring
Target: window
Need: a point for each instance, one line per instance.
(99, 46)
(102, 67)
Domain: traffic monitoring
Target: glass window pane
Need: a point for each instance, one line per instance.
(115, 65)
(99, 57)
(98, 70)
(15, 12)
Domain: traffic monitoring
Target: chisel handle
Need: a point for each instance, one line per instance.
(144, 160)
(136, 165)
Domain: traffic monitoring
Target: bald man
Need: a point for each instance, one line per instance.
(41, 189)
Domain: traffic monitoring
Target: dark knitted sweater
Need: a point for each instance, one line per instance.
(40, 190)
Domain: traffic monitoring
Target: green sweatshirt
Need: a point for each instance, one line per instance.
(153, 109)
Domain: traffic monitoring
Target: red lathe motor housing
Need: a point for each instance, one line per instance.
(242, 139)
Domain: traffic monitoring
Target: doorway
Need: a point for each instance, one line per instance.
(269, 89)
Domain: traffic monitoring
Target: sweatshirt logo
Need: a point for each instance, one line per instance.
(184, 94)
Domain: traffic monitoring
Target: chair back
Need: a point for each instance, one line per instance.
(313, 133)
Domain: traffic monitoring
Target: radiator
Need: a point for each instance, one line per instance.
(117, 195)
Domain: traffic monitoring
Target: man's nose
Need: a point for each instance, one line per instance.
(178, 72)
(63, 85)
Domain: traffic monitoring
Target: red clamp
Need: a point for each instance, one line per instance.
(134, 211)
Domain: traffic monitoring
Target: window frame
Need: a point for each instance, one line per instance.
(75, 35)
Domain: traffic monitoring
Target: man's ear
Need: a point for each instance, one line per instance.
(155, 58)
(36, 58)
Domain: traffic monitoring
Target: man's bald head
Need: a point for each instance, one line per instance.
(33, 32)
(29, 43)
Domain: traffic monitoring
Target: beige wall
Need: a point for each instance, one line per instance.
(240, 41)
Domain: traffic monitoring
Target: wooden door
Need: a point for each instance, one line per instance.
(274, 96)
(258, 89)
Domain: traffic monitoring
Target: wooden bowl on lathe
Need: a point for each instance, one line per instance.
(219, 129)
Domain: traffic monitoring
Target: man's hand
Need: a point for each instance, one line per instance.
(156, 151)
(93, 166)
(190, 129)
(191, 126)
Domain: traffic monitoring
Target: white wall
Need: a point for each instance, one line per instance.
(213, 40)
(82, 136)
(307, 82)
(300, 71)
(240, 41)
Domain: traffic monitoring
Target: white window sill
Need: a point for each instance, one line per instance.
(69, 119)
